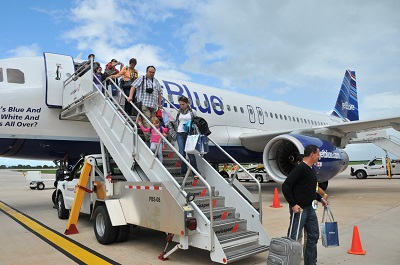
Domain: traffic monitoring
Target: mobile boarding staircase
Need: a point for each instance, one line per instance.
(389, 143)
(228, 225)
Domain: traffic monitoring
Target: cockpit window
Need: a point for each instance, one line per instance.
(15, 76)
(1, 74)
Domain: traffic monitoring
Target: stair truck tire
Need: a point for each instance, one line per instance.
(103, 229)
(61, 211)
(123, 233)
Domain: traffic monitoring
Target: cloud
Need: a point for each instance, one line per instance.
(24, 51)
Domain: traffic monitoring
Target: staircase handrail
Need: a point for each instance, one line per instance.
(235, 162)
(211, 219)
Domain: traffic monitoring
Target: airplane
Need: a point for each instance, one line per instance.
(251, 129)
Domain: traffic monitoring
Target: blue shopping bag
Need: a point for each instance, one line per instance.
(329, 230)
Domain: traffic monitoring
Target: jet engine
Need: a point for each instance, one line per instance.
(283, 152)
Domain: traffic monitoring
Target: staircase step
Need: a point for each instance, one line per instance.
(241, 251)
(190, 181)
(221, 213)
(236, 238)
(204, 202)
(230, 226)
(199, 191)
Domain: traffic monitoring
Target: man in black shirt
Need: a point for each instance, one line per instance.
(300, 191)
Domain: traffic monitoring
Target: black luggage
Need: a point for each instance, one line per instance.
(284, 250)
(202, 125)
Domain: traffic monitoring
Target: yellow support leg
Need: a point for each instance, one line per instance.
(79, 195)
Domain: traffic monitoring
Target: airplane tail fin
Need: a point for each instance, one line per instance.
(346, 106)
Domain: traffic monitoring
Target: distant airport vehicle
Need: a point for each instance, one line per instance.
(375, 167)
(36, 181)
(258, 172)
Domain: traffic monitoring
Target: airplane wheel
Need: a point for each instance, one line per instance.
(323, 185)
(259, 178)
(40, 186)
(123, 233)
(61, 211)
(360, 174)
(32, 188)
(103, 229)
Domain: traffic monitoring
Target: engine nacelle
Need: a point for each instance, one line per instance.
(283, 152)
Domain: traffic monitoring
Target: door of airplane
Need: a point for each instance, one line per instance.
(252, 115)
(58, 68)
(260, 115)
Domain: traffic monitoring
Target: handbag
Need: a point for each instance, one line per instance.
(196, 144)
(126, 84)
(329, 230)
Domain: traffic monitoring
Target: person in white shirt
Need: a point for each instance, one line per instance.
(185, 113)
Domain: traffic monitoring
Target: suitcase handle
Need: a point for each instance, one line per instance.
(298, 227)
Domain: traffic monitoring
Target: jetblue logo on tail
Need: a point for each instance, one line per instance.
(346, 106)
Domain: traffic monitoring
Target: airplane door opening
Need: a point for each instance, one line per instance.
(252, 115)
(260, 115)
(58, 68)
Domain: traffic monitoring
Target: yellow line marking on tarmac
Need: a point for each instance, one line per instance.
(76, 252)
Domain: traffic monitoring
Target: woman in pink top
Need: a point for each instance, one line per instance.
(154, 136)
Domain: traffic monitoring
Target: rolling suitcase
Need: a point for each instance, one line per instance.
(284, 250)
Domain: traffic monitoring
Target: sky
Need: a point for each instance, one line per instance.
(291, 51)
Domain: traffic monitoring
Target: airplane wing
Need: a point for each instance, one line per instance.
(346, 130)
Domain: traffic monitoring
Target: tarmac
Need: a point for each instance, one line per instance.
(372, 204)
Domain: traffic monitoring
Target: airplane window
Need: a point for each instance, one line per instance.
(1, 74)
(197, 102)
(309, 122)
(235, 109)
(214, 106)
(298, 120)
(301, 119)
(290, 119)
(206, 104)
(285, 117)
(266, 114)
(272, 116)
(241, 110)
(228, 107)
(280, 116)
(15, 76)
(276, 116)
(170, 98)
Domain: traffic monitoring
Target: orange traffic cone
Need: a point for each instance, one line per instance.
(276, 203)
(356, 247)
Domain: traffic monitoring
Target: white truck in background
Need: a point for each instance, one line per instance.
(375, 167)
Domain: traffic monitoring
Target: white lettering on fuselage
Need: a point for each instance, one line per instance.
(329, 155)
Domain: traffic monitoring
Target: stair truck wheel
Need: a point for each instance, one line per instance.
(360, 174)
(61, 211)
(123, 233)
(54, 197)
(104, 231)
(40, 186)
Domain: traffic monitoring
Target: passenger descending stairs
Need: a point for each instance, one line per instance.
(229, 227)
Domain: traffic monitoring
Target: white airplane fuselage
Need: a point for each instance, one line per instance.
(31, 127)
